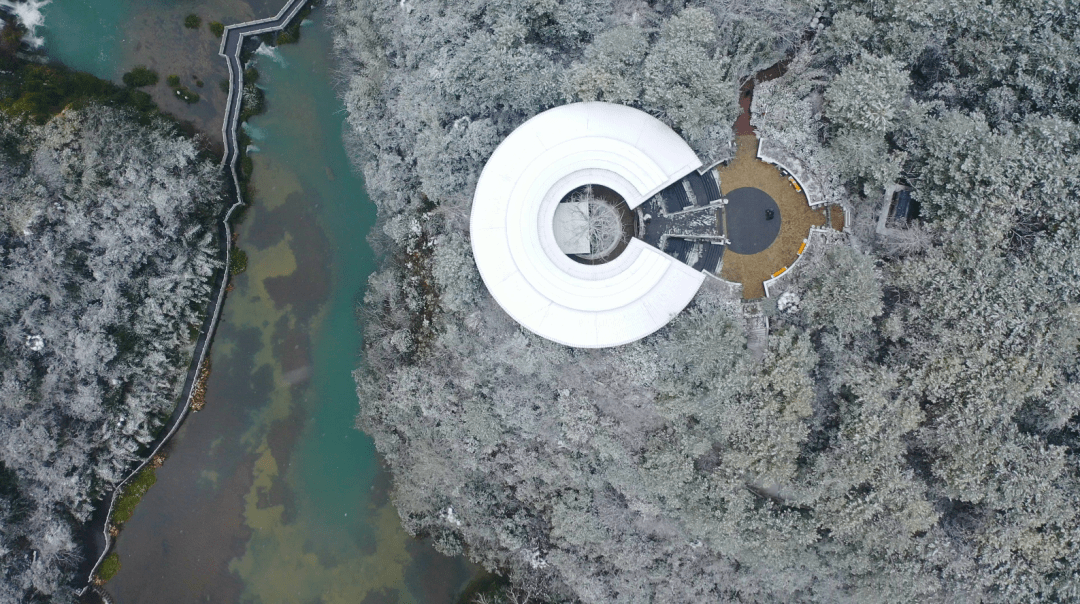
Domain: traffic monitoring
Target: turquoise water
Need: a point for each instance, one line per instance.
(269, 494)
(85, 34)
(109, 37)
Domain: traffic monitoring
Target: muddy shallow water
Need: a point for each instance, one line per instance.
(109, 37)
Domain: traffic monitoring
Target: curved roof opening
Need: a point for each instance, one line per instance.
(526, 245)
(593, 224)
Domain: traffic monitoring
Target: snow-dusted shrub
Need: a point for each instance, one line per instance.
(106, 251)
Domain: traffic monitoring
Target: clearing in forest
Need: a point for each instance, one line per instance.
(796, 218)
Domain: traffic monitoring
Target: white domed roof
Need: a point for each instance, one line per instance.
(513, 240)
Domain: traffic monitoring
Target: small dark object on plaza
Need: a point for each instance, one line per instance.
(769, 214)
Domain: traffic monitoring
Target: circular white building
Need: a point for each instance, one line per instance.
(526, 254)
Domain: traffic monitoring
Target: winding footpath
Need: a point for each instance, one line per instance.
(232, 42)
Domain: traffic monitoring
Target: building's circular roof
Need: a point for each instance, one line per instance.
(513, 241)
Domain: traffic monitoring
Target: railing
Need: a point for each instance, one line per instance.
(826, 235)
(795, 169)
(232, 42)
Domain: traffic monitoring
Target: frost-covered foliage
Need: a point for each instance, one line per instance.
(106, 251)
(438, 84)
(596, 221)
(912, 433)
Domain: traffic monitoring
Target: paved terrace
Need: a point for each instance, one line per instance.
(715, 221)
(746, 170)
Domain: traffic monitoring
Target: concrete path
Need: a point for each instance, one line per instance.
(232, 42)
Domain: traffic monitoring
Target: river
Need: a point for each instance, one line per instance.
(269, 494)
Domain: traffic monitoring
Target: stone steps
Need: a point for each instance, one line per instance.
(757, 329)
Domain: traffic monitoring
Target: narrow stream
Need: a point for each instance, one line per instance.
(269, 494)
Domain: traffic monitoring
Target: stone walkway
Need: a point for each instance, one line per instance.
(232, 43)
(746, 170)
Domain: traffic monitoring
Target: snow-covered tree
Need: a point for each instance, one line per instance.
(911, 432)
(106, 254)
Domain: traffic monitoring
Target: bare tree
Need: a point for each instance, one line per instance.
(599, 222)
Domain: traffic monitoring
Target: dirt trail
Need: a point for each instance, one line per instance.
(742, 124)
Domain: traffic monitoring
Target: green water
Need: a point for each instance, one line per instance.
(269, 494)
(85, 35)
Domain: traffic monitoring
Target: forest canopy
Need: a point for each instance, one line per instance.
(912, 432)
(107, 248)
